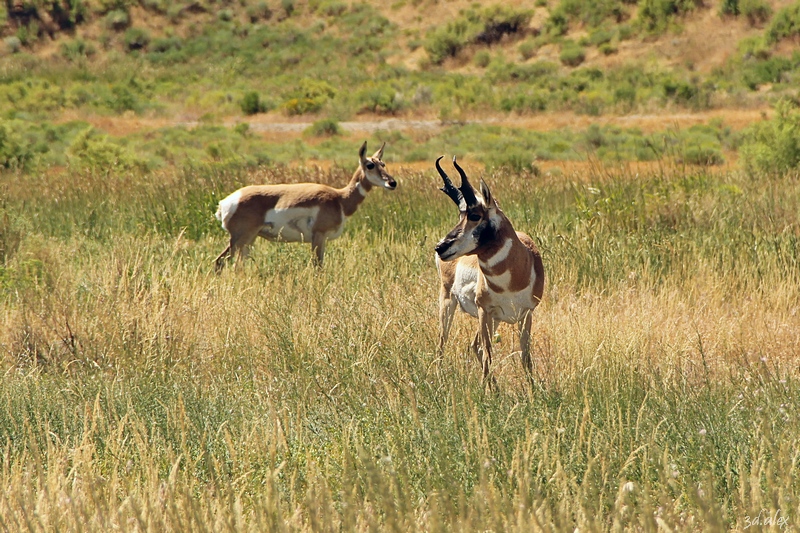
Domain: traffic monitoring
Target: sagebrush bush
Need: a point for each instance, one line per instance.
(251, 103)
(136, 38)
(785, 24)
(773, 145)
(572, 54)
(324, 128)
(485, 26)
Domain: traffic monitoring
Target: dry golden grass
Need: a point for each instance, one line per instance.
(142, 392)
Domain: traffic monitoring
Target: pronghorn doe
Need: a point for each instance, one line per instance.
(299, 212)
(491, 271)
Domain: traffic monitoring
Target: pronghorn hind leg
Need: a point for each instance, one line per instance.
(239, 248)
(318, 247)
(219, 262)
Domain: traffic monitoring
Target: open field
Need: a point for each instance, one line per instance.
(142, 392)
(651, 148)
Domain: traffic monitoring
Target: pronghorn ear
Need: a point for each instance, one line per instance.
(379, 154)
(362, 153)
(488, 199)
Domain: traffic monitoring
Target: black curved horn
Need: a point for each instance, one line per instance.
(449, 189)
(466, 187)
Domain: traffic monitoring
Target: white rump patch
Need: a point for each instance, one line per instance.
(227, 207)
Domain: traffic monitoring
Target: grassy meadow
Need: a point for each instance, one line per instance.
(142, 392)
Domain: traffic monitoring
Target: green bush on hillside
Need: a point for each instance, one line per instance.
(486, 26)
(251, 103)
(572, 54)
(326, 127)
(97, 151)
(773, 145)
(655, 16)
(308, 97)
(15, 151)
(136, 39)
(757, 12)
(785, 24)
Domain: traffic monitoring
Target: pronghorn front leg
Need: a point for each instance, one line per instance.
(447, 310)
(486, 330)
(525, 342)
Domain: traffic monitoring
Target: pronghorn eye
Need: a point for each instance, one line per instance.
(370, 165)
(474, 217)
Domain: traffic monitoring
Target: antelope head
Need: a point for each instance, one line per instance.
(374, 168)
(478, 217)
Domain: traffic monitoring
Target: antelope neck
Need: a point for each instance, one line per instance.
(355, 192)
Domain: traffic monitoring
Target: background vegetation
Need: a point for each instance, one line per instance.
(142, 392)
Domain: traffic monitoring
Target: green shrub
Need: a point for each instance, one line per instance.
(77, 48)
(448, 40)
(308, 97)
(601, 36)
(760, 72)
(702, 155)
(15, 150)
(527, 49)
(729, 8)
(785, 24)
(122, 99)
(165, 44)
(655, 16)
(117, 20)
(136, 39)
(557, 24)
(528, 101)
(486, 26)
(243, 129)
(513, 160)
(13, 44)
(381, 98)
(482, 58)
(92, 150)
(572, 54)
(324, 128)
(258, 11)
(757, 12)
(608, 49)
(773, 145)
(251, 103)
(593, 13)
(331, 8)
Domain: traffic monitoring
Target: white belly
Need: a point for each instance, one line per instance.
(294, 224)
(465, 287)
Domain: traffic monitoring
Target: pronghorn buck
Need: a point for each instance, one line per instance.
(299, 212)
(491, 271)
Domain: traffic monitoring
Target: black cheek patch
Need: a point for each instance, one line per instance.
(484, 233)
